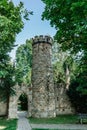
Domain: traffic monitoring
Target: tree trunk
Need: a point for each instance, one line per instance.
(7, 104)
(67, 77)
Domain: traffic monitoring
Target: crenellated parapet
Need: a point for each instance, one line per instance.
(42, 39)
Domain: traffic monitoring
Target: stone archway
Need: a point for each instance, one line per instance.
(13, 104)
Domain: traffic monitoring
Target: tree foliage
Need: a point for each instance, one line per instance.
(11, 23)
(7, 80)
(6, 83)
(24, 63)
(23, 102)
(63, 65)
(78, 98)
(69, 17)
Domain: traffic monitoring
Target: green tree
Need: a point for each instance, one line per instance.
(58, 58)
(7, 82)
(24, 63)
(64, 65)
(69, 17)
(11, 23)
(70, 20)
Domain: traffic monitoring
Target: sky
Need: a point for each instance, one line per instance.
(35, 26)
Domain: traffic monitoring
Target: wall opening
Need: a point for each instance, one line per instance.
(22, 103)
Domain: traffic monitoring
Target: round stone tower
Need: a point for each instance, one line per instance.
(43, 98)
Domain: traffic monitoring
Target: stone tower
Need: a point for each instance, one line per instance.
(43, 97)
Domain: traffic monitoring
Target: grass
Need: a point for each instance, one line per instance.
(61, 119)
(6, 124)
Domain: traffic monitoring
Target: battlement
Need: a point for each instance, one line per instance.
(42, 39)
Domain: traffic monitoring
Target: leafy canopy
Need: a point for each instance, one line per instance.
(24, 63)
(11, 23)
(70, 20)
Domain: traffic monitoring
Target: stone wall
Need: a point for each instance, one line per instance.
(3, 108)
(42, 78)
(63, 104)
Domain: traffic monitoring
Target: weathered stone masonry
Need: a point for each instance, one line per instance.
(3, 108)
(43, 97)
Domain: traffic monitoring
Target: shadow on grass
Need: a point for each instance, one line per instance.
(6, 124)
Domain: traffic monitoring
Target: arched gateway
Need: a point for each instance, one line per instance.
(13, 103)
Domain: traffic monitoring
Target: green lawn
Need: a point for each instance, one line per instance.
(6, 124)
(61, 119)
